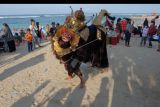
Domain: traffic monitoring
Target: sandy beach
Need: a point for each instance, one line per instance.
(37, 79)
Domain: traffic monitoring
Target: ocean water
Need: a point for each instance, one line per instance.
(23, 21)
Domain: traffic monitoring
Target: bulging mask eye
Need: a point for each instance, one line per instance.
(65, 34)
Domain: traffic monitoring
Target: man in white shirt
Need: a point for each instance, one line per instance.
(33, 29)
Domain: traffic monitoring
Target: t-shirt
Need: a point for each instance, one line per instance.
(145, 32)
(33, 31)
(129, 27)
(152, 30)
(29, 37)
(123, 24)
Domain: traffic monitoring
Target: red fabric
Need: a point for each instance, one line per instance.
(114, 40)
(152, 30)
(123, 24)
(118, 27)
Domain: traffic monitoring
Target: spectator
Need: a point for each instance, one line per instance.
(140, 31)
(43, 33)
(128, 33)
(123, 26)
(118, 28)
(57, 25)
(145, 23)
(52, 29)
(47, 30)
(144, 36)
(19, 38)
(22, 33)
(34, 30)
(9, 38)
(17, 43)
(29, 38)
(38, 33)
(152, 31)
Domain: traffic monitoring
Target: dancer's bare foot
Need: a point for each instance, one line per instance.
(69, 78)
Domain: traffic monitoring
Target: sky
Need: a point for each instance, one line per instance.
(22, 9)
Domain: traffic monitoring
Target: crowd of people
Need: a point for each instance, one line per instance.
(32, 36)
(125, 30)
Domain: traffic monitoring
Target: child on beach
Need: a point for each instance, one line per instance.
(22, 33)
(29, 38)
(144, 36)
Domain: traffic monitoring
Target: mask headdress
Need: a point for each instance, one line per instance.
(66, 35)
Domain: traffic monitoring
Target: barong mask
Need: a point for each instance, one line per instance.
(66, 36)
(64, 40)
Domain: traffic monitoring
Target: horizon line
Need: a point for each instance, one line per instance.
(69, 13)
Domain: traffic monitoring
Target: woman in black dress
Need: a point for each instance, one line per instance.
(9, 38)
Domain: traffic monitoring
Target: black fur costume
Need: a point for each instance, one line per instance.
(95, 52)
